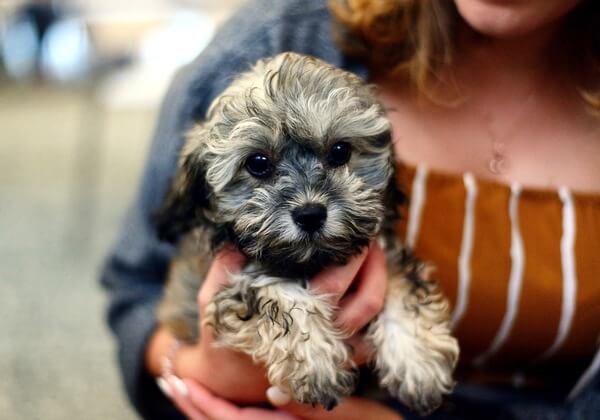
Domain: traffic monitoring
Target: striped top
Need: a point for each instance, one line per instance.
(521, 268)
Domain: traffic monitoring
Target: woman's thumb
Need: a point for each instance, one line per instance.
(227, 261)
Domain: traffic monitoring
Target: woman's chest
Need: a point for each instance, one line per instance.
(520, 266)
(546, 148)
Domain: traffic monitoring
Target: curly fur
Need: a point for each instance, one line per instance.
(292, 109)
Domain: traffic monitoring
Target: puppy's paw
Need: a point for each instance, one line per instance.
(415, 365)
(315, 369)
(326, 387)
(420, 383)
(303, 350)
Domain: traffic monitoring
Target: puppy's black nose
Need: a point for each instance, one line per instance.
(310, 217)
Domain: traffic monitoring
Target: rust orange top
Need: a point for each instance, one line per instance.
(520, 266)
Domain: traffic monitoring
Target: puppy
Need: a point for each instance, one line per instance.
(294, 166)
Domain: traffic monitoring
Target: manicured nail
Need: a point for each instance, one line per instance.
(164, 386)
(277, 396)
(179, 386)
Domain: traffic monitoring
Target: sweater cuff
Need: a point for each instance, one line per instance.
(134, 331)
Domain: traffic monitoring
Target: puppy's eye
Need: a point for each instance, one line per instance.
(339, 154)
(259, 166)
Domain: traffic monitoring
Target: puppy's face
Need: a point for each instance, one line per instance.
(292, 164)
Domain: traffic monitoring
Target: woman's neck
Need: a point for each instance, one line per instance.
(520, 63)
(509, 111)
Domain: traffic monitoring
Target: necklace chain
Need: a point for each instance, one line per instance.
(498, 163)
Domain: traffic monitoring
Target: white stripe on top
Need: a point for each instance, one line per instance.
(417, 200)
(466, 249)
(567, 252)
(513, 297)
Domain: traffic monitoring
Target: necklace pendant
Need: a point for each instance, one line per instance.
(497, 164)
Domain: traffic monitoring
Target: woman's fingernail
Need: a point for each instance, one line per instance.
(164, 386)
(179, 386)
(277, 396)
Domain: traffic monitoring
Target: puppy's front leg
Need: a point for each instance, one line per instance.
(282, 325)
(415, 354)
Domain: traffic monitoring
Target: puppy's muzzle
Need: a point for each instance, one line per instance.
(310, 217)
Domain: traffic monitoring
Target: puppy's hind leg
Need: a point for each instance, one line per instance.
(284, 326)
(415, 354)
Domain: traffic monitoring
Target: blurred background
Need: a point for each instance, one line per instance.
(80, 83)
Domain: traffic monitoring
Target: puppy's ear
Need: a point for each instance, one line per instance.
(184, 205)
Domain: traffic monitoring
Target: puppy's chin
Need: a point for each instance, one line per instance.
(304, 261)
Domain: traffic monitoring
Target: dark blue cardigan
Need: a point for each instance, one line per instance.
(135, 271)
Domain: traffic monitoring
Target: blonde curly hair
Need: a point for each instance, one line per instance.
(416, 38)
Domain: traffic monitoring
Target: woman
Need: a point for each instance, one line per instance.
(497, 99)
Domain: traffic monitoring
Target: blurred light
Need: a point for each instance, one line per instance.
(20, 48)
(66, 51)
(179, 42)
(162, 52)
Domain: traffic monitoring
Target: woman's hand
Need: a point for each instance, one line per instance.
(227, 373)
(358, 289)
(200, 404)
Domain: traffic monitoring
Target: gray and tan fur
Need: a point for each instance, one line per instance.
(327, 189)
